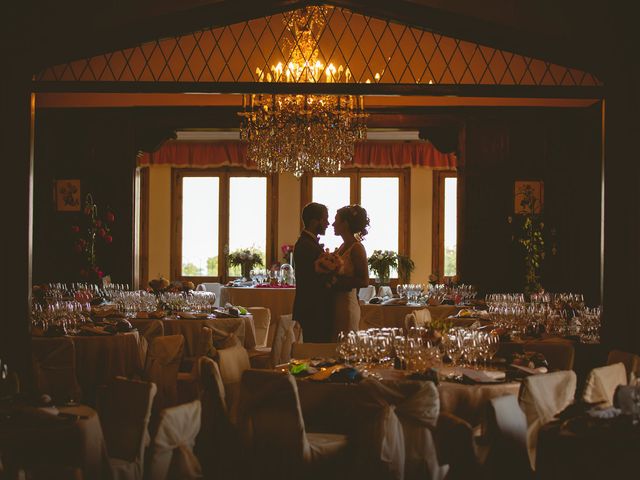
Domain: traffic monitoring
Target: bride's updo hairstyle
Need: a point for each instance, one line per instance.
(356, 218)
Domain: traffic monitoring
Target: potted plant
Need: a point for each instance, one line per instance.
(246, 259)
(405, 267)
(531, 239)
(381, 262)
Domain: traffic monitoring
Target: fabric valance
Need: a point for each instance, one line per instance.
(234, 154)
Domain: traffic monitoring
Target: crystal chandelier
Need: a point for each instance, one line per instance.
(303, 133)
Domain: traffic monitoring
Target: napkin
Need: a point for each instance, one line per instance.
(484, 376)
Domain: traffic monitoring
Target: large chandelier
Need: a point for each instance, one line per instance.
(303, 133)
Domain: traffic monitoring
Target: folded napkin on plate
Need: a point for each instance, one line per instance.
(483, 376)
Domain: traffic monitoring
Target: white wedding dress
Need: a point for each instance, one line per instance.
(346, 306)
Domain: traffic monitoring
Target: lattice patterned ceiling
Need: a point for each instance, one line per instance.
(367, 46)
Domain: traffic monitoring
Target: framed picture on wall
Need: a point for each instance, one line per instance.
(67, 195)
(529, 196)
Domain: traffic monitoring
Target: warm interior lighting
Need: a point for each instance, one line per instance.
(303, 133)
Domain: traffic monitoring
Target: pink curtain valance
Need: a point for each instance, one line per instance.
(234, 154)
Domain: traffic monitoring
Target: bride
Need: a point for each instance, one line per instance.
(351, 224)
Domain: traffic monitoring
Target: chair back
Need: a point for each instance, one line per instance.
(623, 398)
(163, 363)
(559, 355)
(171, 451)
(506, 430)
(541, 398)
(314, 350)
(205, 343)
(367, 293)
(272, 422)
(261, 321)
(124, 408)
(147, 334)
(602, 383)
(233, 363)
(283, 340)
(54, 367)
(417, 318)
(631, 361)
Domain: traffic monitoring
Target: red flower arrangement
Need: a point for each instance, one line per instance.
(287, 251)
(85, 237)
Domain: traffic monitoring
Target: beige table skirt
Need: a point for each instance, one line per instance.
(242, 327)
(278, 300)
(376, 316)
(37, 440)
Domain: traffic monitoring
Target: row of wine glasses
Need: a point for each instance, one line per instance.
(471, 348)
(410, 291)
(69, 315)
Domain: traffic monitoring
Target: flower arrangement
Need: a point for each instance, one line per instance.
(94, 229)
(246, 259)
(433, 279)
(405, 267)
(381, 262)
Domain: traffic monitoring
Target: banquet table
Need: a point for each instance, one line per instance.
(584, 448)
(242, 327)
(100, 358)
(278, 300)
(376, 316)
(38, 439)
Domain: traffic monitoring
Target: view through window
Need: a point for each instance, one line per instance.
(334, 192)
(200, 225)
(450, 225)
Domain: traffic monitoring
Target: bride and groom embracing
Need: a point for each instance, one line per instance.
(326, 301)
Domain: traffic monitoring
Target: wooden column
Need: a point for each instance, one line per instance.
(17, 112)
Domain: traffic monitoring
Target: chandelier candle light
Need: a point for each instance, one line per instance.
(303, 133)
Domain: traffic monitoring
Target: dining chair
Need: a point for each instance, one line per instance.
(217, 444)
(417, 318)
(54, 368)
(261, 320)
(188, 377)
(233, 363)
(602, 383)
(314, 350)
(147, 334)
(274, 431)
(559, 355)
(631, 361)
(124, 408)
(171, 451)
(505, 437)
(367, 293)
(283, 340)
(163, 363)
(541, 397)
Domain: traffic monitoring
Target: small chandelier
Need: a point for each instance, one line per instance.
(303, 133)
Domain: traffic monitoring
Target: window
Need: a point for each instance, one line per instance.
(216, 212)
(381, 193)
(445, 229)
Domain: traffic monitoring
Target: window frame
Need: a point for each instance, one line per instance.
(224, 174)
(355, 175)
(437, 256)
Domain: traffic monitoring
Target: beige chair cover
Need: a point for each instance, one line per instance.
(283, 340)
(124, 409)
(54, 368)
(274, 429)
(261, 321)
(403, 439)
(417, 318)
(631, 361)
(505, 436)
(163, 363)
(217, 445)
(314, 350)
(602, 383)
(147, 334)
(171, 452)
(541, 398)
(558, 354)
(233, 363)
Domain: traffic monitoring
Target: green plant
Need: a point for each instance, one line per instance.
(405, 267)
(532, 241)
(381, 262)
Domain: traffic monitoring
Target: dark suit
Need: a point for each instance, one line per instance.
(312, 305)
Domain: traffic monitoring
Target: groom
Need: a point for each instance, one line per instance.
(312, 307)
